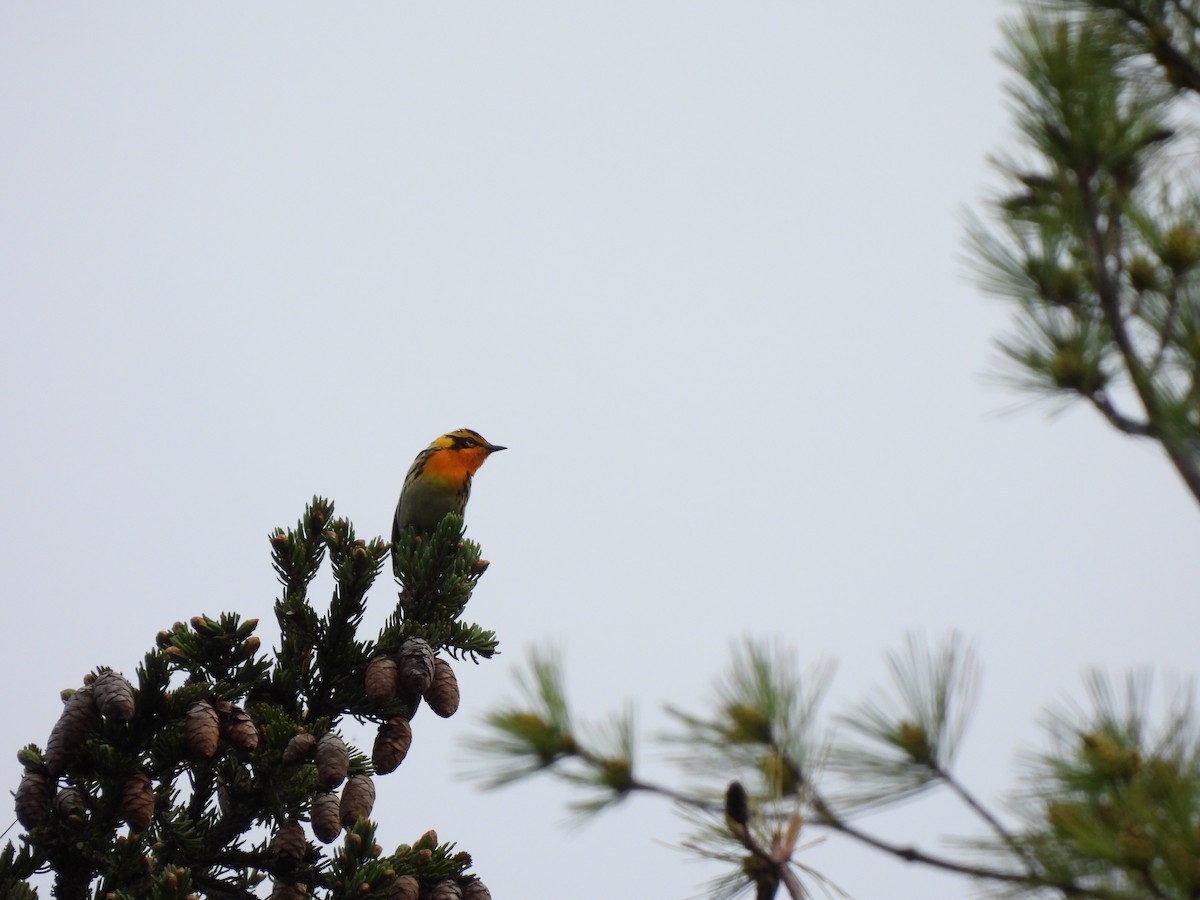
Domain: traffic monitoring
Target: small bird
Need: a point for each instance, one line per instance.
(439, 481)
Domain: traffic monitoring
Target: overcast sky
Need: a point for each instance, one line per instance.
(696, 263)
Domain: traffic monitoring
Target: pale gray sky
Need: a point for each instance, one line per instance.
(694, 262)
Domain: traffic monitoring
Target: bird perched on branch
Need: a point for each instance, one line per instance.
(439, 481)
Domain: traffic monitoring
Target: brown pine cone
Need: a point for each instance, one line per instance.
(289, 841)
(70, 732)
(476, 890)
(391, 745)
(446, 889)
(411, 701)
(358, 799)
(405, 888)
(202, 729)
(416, 665)
(382, 678)
(137, 801)
(333, 761)
(442, 694)
(281, 890)
(240, 730)
(114, 696)
(33, 799)
(70, 803)
(326, 817)
(299, 748)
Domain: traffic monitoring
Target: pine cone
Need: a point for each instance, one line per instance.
(289, 841)
(382, 678)
(442, 694)
(240, 730)
(281, 890)
(446, 889)
(333, 761)
(114, 696)
(358, 799)
(326, 818)
(405, 888)
(476, 890)
(416, 665)
(411, 701)
(202, 729)
(69, 733)
(70, 803)
(33, 799)
(299, 748)
(391, 745)
(137, 801)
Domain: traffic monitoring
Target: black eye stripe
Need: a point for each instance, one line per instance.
(463, 439)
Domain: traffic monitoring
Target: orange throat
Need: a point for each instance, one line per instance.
(455, 465)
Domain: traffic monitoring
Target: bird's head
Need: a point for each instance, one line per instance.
(459, 452)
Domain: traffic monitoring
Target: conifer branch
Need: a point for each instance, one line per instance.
(1186, 462)
(216, 739)
(913, 855)
(1117, 419)
(1006, 836)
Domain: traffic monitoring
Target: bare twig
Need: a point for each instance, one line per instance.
(913, 855)
(778, 861)
(688, 800)
(1117, 419)
(1031, 864)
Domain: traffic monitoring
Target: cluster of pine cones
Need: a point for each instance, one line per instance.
(413, 673)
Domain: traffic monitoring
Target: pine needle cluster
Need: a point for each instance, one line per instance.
(1094, 239)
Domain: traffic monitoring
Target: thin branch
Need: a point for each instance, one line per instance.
(825, 817)
(913, 855)
(1108, 293)
(791, 882)
(1118, 419)
(1177, 64)
(777, 861)
(677, 796)
(633, 784)
(1031, 864)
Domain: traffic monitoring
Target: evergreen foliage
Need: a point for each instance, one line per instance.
(193, 780)
(1096, 239)
(1112, 810)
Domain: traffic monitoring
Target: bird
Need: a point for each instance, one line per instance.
(439, 481)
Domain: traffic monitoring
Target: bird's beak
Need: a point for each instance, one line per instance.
(492, 448)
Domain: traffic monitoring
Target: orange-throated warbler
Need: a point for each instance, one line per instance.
(439, 481)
